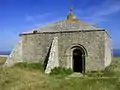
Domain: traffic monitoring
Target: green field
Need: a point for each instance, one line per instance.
(31, 77)
(2, 60)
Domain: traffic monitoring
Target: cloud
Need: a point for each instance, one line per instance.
(100, 13)
(109, 7)
(37, 17)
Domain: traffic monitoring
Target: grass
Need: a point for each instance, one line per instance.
(61, 72)
(30, 66)
(31, 77)
(2, 60)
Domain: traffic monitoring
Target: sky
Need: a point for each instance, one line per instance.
(18, 16)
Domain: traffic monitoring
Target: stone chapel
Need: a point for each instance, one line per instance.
(69, 43)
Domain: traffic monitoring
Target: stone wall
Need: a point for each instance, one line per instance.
(93, 41)
(35, 47)
(16, 55)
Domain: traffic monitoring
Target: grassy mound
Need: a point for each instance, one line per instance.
(30, 76)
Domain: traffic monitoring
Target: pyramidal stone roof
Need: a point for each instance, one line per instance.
(70, 24)
(67, 25)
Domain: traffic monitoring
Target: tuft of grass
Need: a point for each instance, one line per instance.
(30, 66)
(17, 78)
(61, 71)
(95, 74)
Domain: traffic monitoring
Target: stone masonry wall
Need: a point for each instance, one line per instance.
(15, 56)
(93, 42)
(35, 47)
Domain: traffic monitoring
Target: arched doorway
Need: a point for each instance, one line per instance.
(78, 60)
